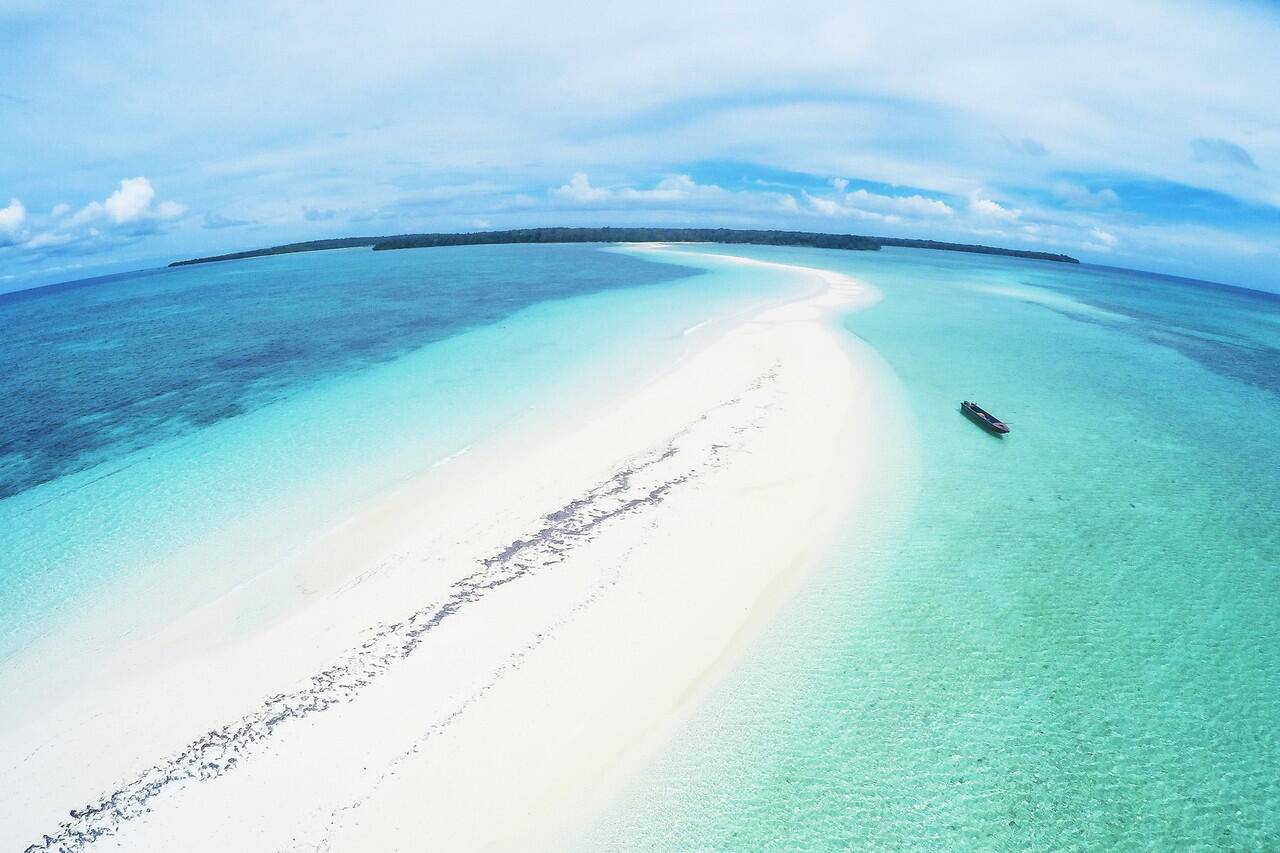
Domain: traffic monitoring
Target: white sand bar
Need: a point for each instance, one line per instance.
(484, 658)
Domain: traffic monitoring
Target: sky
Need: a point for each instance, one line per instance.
(1138, 134)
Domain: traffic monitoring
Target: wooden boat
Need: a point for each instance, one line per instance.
(983, 418)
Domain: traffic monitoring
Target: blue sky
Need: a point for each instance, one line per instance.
(1142, 134)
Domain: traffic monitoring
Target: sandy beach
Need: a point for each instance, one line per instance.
(484, 658)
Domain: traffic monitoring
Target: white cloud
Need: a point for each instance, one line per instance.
(839, 183)
(671, 188)
(910, 206)
(480, 222)
(46, 239)
(1104, 237)
(825, 206)
(126, 215)
(942, 95)
(984, 207)
(170, 210)
(830, 207)
(131, 203)
(579, 189)
(674, 187)
(874, 207)
(12, 217)
(1076, 195)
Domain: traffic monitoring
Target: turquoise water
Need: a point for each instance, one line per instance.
(1066, 640)
(170, 433)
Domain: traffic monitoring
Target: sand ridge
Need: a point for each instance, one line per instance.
(576, 594)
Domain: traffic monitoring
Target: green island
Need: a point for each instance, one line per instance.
(812, 239)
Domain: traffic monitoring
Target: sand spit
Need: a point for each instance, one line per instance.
(482, 659)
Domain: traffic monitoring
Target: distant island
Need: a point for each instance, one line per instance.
(811, 239)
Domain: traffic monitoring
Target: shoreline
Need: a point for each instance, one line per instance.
(689, 510)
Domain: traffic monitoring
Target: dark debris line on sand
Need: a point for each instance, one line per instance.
(627, 492)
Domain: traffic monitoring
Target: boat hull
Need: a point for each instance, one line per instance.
(988, 423)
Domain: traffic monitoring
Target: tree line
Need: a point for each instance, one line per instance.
(812, 239)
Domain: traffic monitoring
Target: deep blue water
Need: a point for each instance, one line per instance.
(93, 371)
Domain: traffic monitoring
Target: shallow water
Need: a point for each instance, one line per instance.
(1072, 640)
(1068, 639)
(172, 432)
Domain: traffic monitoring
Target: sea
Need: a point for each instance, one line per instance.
(1065, 639)
(166, 434)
